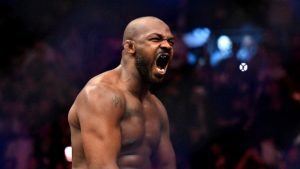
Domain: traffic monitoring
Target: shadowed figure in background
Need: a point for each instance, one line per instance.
(115, 121)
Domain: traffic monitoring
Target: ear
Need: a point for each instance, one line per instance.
(129, 46)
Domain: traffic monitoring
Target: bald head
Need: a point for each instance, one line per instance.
(147, 48)
(141, 25)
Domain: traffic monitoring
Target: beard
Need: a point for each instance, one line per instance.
(142, 64)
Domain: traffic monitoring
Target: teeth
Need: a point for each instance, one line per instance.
(163, 56)
(161, 71)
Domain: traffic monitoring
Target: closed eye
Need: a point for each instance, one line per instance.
(159, 38)
(171, 41)
(156, 39)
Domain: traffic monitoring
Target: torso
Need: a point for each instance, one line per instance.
(140, 127)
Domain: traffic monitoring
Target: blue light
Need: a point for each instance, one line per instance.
(218, 56)
(224, 43)
(247, 50)
(191, 58)
(197, 37)
(223, 51)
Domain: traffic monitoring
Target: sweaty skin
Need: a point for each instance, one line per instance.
(115, 121)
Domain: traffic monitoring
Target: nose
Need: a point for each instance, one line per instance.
(166, 44)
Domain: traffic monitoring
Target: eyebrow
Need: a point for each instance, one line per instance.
(160, 35)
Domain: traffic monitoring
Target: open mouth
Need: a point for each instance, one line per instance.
(162, 61)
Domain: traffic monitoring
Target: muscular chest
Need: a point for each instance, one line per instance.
(140, 126)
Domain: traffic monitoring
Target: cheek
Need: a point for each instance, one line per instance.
(148, 51)
(147, 56)
(150, 48)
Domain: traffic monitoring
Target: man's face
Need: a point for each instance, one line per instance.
(154, 52)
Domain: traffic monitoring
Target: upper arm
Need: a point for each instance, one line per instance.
(165, 154)
(99, 113)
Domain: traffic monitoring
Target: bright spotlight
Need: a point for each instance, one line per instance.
(223, 51)
(224, 43)
(68, 153)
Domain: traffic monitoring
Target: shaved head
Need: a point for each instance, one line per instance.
(139, 25)
(148, 48)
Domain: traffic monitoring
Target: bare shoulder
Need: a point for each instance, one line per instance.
(99, 92)
(99, 95)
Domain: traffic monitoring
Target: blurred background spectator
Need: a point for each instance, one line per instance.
(220, 117)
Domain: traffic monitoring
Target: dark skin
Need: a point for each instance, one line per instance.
(115, 121)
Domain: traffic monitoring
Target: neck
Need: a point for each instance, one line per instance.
(132, 80)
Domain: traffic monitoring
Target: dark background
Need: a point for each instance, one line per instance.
(220, 117)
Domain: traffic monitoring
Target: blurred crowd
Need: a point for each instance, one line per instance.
(220, 117)
(224, 118)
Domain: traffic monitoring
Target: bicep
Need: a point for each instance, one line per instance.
(100, 131)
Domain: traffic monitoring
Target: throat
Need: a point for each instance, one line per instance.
(133, 82)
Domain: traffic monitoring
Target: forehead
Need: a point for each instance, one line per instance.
(155, 27)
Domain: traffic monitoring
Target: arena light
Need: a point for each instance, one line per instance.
(68, 153)
(191, 58)
(223, 50)
(196, 37)
(248, 48)
(224, 43)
